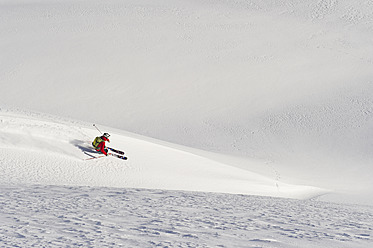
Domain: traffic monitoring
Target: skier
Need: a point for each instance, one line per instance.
(99, 143)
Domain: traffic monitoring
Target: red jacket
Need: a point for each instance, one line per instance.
(101, 145)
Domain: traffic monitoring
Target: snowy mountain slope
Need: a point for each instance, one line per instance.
(207, 69)
(57, 216)
(40, 150)
(276, 93)
(286, 83)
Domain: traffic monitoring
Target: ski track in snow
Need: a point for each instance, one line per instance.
(62, 216)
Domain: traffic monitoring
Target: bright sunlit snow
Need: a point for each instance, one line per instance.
(41, 151)
(267, 98)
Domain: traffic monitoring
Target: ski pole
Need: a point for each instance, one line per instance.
(97, 128)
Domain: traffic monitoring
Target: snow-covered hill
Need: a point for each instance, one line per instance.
(43, 163)
(285, 82)
(35, 150)
(270, 98)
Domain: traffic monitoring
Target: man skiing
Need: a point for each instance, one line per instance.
(99, 143)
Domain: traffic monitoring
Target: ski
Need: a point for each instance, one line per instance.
(111, 154)
(118, 156)
(115, 150)
(95, 157)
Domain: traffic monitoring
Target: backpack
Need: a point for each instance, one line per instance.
(96, 142)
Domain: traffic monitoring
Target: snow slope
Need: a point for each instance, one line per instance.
(287, 83)
(35, 150)
(268, 98)
(43, 201)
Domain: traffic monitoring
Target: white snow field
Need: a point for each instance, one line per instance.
(66, 216)
(285, 82)
(51, 196)
(243, 121)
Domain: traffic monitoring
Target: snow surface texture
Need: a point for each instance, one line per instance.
(53, 216)
(285, 82)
